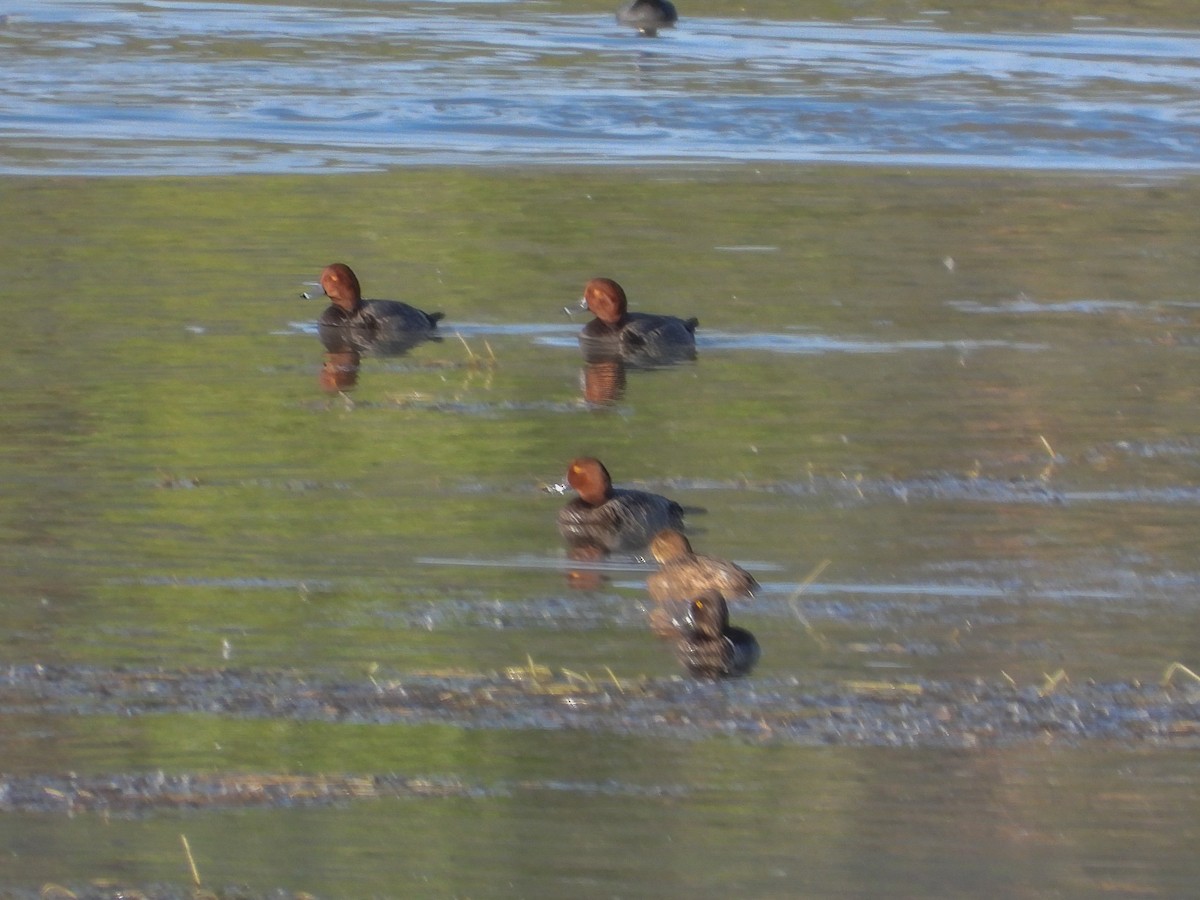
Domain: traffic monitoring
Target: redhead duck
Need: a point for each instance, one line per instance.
(647, 16)
(618, 520)
(685, 574)
(350, 310)
(634, 337)
(709, 647)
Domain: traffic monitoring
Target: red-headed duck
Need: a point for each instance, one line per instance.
(616, 519)
(708, 646)
(348, 309)
(647, 16)
(634, 337)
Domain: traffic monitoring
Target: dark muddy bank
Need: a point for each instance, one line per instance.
(921, 713)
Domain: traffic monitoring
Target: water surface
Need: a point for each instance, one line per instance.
(270, 87)
(944, 407)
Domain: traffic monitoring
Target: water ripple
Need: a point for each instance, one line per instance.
(254, 87)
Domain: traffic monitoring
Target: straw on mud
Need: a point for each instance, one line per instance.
(52, 891)
(585, 678)
(470, 352)
(1049, 470)
(884, 687)
(1177, 667)
(1052, 682)
(1009, 679)
(800, 589)
(614, 678)
(857, 482)
(191, 860)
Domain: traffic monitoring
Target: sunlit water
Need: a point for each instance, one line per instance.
(947, 416)
(265, 87)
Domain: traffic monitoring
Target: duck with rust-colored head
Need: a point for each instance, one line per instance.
(382, 322)
(639, 338)
(708, 646)
(617, 519)
(683, 573)
(647, 16)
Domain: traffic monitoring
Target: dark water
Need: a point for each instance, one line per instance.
(963, 394)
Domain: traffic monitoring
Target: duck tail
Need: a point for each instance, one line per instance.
(434, 318)
(691, 324)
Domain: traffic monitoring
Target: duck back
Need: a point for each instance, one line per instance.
(695, 573)
(732, 655)
(624, 523)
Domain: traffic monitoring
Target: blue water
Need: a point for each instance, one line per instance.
(211, 87)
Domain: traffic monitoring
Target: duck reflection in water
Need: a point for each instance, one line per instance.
(684, 574)
(384, 327)
(339, 372)
(708, 646)
(603, 381)
(585, 578)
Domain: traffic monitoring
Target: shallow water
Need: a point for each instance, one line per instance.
(946, 415)
(997, 457)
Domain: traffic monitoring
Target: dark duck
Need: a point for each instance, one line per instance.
(618, 520)
(708, 646)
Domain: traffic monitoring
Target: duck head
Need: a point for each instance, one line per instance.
(707, 617)
(669, 544)
(340, 284)
(588, 477)
(606, 300)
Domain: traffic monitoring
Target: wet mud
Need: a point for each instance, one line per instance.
(919, 713)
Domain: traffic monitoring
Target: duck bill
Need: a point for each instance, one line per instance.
(313, 294)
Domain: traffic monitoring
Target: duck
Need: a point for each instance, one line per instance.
(708, 646)
(617, 520)
(348, 309)
(640, 338)
(684, 573)
(647, 16)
